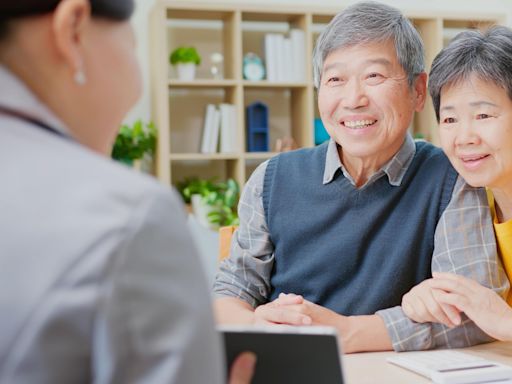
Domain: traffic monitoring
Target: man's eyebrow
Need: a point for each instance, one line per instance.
(381, 61)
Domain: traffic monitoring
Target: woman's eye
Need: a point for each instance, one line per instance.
(482, 116)
(448, 120)
(333, 79)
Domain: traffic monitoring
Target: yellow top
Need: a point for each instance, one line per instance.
(503, 233)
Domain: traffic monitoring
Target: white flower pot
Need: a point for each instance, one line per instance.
(201, 211)
(186, 71)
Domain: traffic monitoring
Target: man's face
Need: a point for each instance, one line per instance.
(365, 101)
(476, 131)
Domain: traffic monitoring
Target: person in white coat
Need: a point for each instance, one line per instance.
(99, 280)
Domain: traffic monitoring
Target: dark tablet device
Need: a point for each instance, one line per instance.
(298, 355)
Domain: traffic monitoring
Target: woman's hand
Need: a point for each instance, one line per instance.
(420, 304)
(482, 305)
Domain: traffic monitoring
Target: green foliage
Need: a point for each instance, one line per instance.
(222, 197)
(185, 55)
(135, 141)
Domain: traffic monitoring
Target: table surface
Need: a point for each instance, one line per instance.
(372, 367)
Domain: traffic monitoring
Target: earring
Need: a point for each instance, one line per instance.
(80, 78)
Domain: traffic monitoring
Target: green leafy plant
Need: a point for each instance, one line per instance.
(222, 197)
(133, 142)
(185, 55)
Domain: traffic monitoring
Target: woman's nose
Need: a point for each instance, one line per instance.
(466, 134)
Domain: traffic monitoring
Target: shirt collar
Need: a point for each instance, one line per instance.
(395, 168)
(17, 96)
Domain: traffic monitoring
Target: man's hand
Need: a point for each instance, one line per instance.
(420, 304)
(316, 313)
(355, 333)
(280, 311)
(482, 305)
(242, 369)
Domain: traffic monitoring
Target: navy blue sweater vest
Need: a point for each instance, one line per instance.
(352, 250)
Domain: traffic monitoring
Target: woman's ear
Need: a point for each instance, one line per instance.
(68, 25)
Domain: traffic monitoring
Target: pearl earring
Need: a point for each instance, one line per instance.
(80, 78)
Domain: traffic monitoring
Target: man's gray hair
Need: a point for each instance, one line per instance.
(484, 54)
(371, 22)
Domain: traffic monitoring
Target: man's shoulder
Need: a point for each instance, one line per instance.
(429, 153)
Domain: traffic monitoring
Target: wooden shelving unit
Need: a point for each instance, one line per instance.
(234, 30)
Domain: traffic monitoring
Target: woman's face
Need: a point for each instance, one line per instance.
(476, 131)
(112, 71)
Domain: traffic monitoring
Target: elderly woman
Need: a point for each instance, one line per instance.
(95, 261)
(471, 87)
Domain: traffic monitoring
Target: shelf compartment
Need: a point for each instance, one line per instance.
(209, 31)
(287, 109)
(187, 107)
(219, 169)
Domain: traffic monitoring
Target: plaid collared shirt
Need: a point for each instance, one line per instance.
(246, 273)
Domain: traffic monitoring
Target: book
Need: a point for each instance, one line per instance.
(228, 129)
(207, 128)
(215, 128)
(270, 57)
(298, 42)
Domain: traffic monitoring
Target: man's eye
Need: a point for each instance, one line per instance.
(374, 78)
(333, 79)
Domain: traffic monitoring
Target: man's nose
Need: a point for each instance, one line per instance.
(354, 95)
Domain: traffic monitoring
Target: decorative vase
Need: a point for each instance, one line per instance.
(186, 71)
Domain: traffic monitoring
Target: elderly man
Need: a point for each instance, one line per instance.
(337, 234)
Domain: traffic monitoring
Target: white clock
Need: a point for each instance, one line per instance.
(253, 67)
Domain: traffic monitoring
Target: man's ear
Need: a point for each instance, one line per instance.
(420, 91)
(68, 24)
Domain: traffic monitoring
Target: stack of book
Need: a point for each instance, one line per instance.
(285, 57)
(219, 129)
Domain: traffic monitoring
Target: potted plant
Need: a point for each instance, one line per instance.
(135, 142)
(213, 203)
(185, 59)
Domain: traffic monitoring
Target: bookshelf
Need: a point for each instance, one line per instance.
(234, 30)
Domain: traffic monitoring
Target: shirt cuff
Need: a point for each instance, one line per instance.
(405, 334)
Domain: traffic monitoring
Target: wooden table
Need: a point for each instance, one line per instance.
(372, 368)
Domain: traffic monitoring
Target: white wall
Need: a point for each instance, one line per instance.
(141, 24)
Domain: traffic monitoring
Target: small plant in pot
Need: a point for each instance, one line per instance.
(213, 203)
(185, 59)
(135, 142)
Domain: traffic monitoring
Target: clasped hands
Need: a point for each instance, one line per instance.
(293, 309)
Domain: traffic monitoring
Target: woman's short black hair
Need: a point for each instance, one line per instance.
(118, 10)
(110, 9)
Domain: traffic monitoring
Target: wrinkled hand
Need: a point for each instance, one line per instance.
(482, 305)
(281, 311)
(242, 369)
(421, 305)
(319, 315)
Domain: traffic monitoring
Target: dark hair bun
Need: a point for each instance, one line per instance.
(110, 9)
